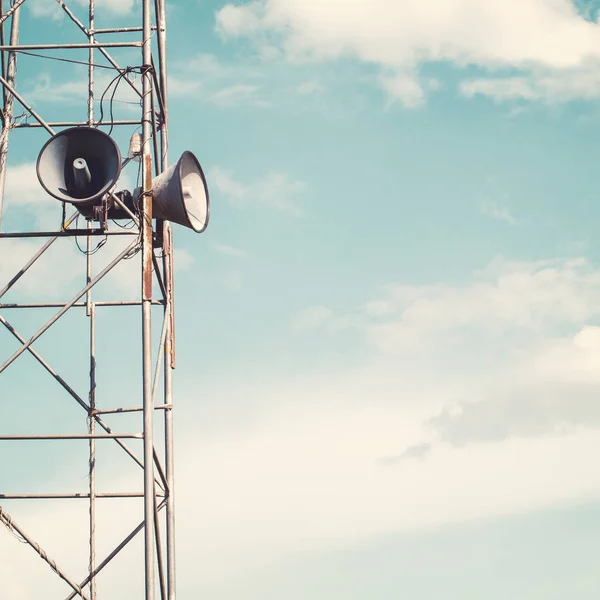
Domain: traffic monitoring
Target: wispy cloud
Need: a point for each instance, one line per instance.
(418, 451)
(72, 90)
(222, 84)
(545, 85)
(308, 88)
(236, 94)
(311, 318)
(44, 9)
(264, 79)
(497, 211)
(407, 88)
(274, 190)
(532, 411)
(230, 251)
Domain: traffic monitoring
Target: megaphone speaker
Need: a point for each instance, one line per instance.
(79, 165)
(180, 194)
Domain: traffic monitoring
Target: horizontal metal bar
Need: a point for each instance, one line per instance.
(19, 47)
(105, 495)
(71, 436)
(127, 303)
(121, 30)
(77, 123)
(115, 411)
(66, 233)
(78, 304)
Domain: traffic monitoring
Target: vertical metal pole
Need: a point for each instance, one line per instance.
(91, 66)
(168, 417)
(162, 77)
(146, 234)
(159, 554)
(161, 26)
(3, 42)
(8, 106)
(90, 311)
(169, 362)
(92, 472)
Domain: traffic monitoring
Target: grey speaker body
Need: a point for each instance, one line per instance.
(180, 194)
(55, 165)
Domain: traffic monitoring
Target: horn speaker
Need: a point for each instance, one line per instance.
(79, 165)
(180, 194)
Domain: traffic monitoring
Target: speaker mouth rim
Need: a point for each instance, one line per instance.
(190, 154)
(100, 193)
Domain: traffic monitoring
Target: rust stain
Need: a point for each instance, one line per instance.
(168, 275)
(147, 229)
(171, 288)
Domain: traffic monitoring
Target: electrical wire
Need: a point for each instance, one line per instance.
(116, 81)
(100, 244)
(66, 60)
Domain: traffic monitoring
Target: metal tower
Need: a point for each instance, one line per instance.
(131, 57)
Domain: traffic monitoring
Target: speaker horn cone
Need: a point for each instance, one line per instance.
(180, 194)
(79, 165)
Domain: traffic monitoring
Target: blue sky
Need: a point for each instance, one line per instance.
(388, 337)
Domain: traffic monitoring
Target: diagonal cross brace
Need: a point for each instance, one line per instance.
(35, 257)
(11, 10)
(80, 400)
(103, 51)
(115, 551)
(7, 520)
(67, 306)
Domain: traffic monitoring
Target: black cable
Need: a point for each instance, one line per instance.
(100, 244)
(130, 224)
(112, 99)
(121, 74)
(67, 60)
(116, 82)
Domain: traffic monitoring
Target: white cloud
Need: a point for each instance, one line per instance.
(24, 190)
(46, 89)
(263, 79)
(349, 452)
(497, 211)
(549, 85)
(232, 280)
(47, 9)
(406, 88)
(118, 7)
(308, 88)
(227, 185)
(402, 35)
(230, 251)
(222, 84)
(392, 33)
(44, 10)
(506, 297)
(312, 317)
(234, 94)
(274, 190)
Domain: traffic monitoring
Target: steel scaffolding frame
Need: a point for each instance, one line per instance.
(156, 264)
